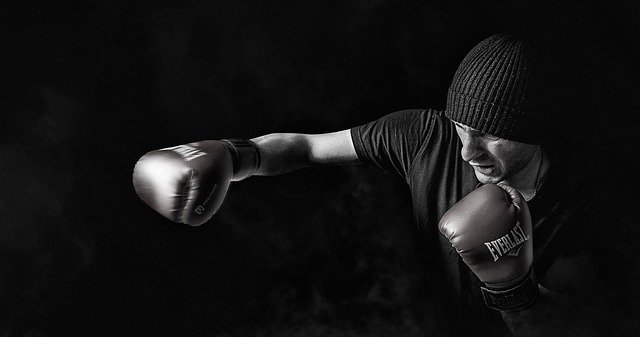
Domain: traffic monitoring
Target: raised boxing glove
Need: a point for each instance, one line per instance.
(491, 230)
(188, 183)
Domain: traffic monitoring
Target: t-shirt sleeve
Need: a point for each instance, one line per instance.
(391, 142)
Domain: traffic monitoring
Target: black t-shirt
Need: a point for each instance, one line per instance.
(571, 242)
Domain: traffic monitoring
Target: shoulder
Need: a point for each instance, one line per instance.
(393, 141)
(414, 116)
(406, 125)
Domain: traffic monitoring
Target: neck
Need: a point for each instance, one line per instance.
(528, 180)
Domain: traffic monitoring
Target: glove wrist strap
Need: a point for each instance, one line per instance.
(245, 157)
(516, 298)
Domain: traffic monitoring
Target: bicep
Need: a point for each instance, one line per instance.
(334, 148)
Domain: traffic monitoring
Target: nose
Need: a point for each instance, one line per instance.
(472, 147)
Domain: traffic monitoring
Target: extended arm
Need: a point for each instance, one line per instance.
(188, 183)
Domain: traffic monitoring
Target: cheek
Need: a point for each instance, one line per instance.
(510, 158)
(502, 155)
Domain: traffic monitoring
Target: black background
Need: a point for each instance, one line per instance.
(91, 86)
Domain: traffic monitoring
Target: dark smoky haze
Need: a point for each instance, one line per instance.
(88, 87)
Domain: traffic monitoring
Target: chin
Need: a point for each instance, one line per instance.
(488, 179)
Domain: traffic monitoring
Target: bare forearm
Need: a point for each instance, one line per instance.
(551, 315)
(281, 153)
(285, 152)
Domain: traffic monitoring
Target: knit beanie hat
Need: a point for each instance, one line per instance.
(491, 90)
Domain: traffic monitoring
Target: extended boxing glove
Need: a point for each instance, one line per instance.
(188, 183)
(491, 230)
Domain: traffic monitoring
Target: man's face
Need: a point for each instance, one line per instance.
(493, 159)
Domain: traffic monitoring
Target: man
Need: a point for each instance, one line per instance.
(510, 219)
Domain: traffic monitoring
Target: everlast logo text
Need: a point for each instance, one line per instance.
(508, 244)
(187, 152)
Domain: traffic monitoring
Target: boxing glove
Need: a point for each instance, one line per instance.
(188, 183)
(491, 230)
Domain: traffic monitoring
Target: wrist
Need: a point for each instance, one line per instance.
(518, 297)
(245, 157)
